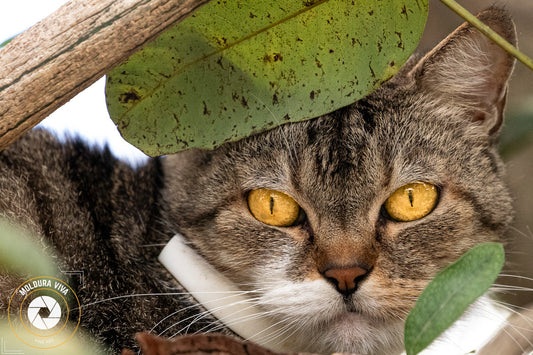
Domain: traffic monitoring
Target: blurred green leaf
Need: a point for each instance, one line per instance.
(20, 252)
(236, 68)
(80, 344)
(6, 42)
(450, 293)
(517, 131)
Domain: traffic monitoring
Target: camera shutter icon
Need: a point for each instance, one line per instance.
(44, 312)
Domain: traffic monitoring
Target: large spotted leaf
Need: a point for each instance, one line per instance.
(240, 67)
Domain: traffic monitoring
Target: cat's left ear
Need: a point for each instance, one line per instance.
(469, 70)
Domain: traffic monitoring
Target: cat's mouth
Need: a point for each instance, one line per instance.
(350, 305)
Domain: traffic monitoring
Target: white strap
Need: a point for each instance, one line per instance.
(219, 295)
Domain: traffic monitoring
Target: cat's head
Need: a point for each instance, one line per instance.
(341, 256)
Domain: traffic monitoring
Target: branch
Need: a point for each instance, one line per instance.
(49, 64)
(487, 31)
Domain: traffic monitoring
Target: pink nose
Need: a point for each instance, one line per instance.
(345, 279)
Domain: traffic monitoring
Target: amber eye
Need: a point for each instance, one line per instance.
(274, 208)
(412, 201)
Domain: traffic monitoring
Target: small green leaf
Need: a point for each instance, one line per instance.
(21, 253)
(240, 67)
(451, 292)
(3, 44)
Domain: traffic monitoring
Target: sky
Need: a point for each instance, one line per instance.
(86, 114)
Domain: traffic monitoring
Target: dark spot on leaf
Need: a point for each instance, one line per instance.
(221, 41)
(355, 40)
(244, 102)
(371, 12)
(271, 58)
(312, 95)
(331, 50)
(275, 99)
(372, 71)
(318, 64)
(400, 41)
(404, 12)
(392, 63)
(206, 111)
(234, 96)
(252, 15)
(287, 117)
(128, 97)
(298, 39)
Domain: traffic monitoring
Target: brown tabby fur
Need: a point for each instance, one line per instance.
(436, 121)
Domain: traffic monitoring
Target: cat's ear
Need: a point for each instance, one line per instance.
(469, 70)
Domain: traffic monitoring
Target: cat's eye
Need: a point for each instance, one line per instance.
(412, 201)
(274, 208)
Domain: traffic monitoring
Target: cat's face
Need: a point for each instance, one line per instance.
(429, 124)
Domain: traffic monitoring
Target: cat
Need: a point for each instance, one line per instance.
(332, 226)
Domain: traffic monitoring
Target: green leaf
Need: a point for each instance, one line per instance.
(3, 44)
(21, 253)
(236, 68)
(451, 292)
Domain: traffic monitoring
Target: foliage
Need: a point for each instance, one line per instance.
(20, 253)
(450, 293)
(240, 67)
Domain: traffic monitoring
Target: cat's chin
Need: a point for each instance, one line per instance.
(352, 332)
(319, 321)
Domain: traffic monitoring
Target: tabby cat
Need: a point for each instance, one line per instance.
(332, 226)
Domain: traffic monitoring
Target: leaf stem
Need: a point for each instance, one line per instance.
(487, 31)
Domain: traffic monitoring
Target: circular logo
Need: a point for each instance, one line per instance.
(44, 312)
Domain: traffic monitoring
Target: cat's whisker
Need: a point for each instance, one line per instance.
(484, 312)
(204, 314)
(201, 315)
(528, 235)
(153, 294)
(521, 277)
(284, 331)
(134, 295)
(500, 288)
(257, 315)
(239, 319)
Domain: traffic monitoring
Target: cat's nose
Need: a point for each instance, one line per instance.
(345, 279)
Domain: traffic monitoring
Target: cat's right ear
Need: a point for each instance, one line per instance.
(470, 71)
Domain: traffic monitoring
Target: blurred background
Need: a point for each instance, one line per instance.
(86, 115)
(517, 136)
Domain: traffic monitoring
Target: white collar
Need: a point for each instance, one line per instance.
(219, 295)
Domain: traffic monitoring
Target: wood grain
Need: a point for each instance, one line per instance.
(47, 65)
